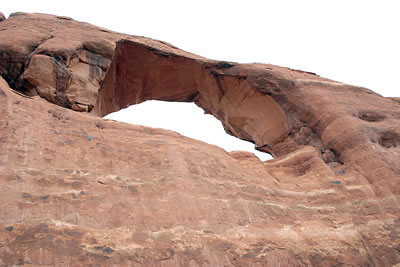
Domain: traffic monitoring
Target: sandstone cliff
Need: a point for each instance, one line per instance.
(79, 190)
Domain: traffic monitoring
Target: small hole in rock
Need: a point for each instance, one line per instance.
(186, 119)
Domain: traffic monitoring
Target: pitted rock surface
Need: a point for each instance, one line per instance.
(80, 190)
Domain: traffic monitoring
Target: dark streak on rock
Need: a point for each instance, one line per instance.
(158, 52)
(224, 65)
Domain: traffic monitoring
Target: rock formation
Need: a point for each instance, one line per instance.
(79, 190)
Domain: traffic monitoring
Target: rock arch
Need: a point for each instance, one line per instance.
(139, 73)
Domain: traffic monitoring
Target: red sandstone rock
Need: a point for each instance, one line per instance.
(80, 190)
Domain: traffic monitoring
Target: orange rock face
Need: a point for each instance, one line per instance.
(79, 190)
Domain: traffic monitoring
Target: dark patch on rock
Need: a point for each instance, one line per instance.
(73, 233)
(193, 97)
(389, 139)
(158, 52)
(64, 18)
(328, 156)
(10, 228)
(305, 72)
(104, 30)
(133, 189)
(108, 250)
(100, 48)
(100, 125)
(171, 252)
(15, 14)
(26, 195)
(62, 76)
(249, 255)
(224, 65)
(76, 184)
(267, 84)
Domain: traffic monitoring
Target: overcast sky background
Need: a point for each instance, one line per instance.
(355, 42)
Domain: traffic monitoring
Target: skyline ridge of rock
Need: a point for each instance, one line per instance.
(86, 190)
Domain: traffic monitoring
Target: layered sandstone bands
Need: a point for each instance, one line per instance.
(81, 190)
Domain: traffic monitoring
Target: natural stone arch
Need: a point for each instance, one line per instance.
(139, 73)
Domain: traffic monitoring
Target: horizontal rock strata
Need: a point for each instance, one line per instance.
(80, 190)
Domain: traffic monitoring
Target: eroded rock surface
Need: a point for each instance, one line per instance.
(79, 190)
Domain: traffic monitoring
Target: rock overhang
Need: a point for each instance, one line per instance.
(336, 147)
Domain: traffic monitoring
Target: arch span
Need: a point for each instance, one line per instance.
(139, 73)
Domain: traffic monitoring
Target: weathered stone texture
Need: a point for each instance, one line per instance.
(79, 190)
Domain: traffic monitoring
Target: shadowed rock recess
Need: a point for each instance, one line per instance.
(79, 190)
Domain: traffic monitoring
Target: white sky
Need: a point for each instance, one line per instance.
(351, 41)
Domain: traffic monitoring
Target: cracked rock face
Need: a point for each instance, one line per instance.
(59, 59)
(78, 190)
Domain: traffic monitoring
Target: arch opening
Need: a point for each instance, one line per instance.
(186, 119)
(230, 93)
